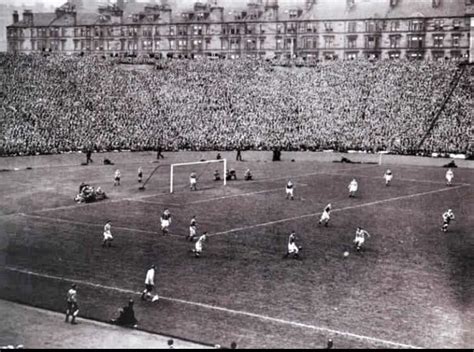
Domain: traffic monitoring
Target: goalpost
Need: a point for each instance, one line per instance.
(172, 171)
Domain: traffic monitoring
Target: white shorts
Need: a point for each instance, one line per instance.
(324, 217)
(388, 178)
(289, 191)
(108, 236)
(293, 248)
(359, 241)
(165, 224)
(198, 247)
(449, 178)
(352, 189)
(192, 231)
(193, 181)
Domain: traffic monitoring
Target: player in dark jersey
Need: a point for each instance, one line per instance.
(72, 306)
(448, 216)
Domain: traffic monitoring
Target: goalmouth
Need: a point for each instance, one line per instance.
(172, 171)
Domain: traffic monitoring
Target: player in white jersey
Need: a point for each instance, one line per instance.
(289, 190)
(353, 186)
(199, 245)
(293, 249)
(448, 216)
(449, 177)
(165, 220)
(193, 181)
(140, 174)
(117, 178)
(359, 239)
(388, 177)
(107, 235)
(192, 229)
(149, 285)
(72, 306)
(325, 215)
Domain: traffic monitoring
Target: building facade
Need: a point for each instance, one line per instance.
(317, 29)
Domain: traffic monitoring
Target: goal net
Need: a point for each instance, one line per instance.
(205, 172)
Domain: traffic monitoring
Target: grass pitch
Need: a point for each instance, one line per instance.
(413, 286)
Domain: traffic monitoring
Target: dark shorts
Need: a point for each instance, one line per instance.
(148, 287)
(117, 179)
(72, 307)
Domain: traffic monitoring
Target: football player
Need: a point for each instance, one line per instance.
(193, 181)
(72, 306)
(199, 245)
(192, 229)
(353, 186)
(325, 215)
(289, 190)
(359, 239)
(107, 235)
(448, 216)
(117, 178)
(293, 249)
(149, 285)
(165, 220)
(140, 174)
(449, 177)
(388, 177)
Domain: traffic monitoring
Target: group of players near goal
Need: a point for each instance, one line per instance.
(293, 249)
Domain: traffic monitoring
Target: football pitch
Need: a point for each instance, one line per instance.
(412, 286)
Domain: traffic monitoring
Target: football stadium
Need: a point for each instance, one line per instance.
(275, 200)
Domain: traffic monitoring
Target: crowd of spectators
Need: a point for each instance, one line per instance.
(67, 103)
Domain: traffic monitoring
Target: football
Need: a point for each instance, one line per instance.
(155, 298)
(346, 253)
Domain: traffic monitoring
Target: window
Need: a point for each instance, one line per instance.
(394, 55)
(76, 44)
(172, 44)
(224, 44)
(437, 55)
(311, 27)
(291, 28)
(328, 26)
(394, 26)
(33, 33)
(293, 13)
(457, 24)
(157, 44)
(235, 44)
(394, 41)
(352, 27)
(352, 41)
(370, 26)
(289, 43)
(182, 30)
(415, 42)
(279, 44)
(172, 30)
(157, 30)
(311, 43)
(197, 30)
(438, 25)
(147, 45)
(438, 40)
(280, 28)
(251, 44)
(371, 42)
(456, 40)
(415, 55)
(351, 55)
(416, 25)
(328, 41)
(147, 31)
(33, 45)
(182, 44)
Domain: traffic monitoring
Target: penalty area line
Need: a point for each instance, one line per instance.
(223, 309)
(335, 210)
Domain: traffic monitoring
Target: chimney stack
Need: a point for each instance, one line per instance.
(15, 17)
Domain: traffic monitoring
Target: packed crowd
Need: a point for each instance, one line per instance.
(55, 104)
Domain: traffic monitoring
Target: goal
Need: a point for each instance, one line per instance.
(179, 173)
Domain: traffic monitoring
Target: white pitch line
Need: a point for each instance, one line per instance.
(95, 225)
(222, 309)
(151, 202)
(243, 194)
(334, 210)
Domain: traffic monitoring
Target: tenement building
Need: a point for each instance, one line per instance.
(317, 29)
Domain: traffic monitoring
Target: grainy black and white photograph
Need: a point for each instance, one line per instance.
(236, 174)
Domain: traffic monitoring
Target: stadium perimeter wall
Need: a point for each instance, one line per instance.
(69, 159)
